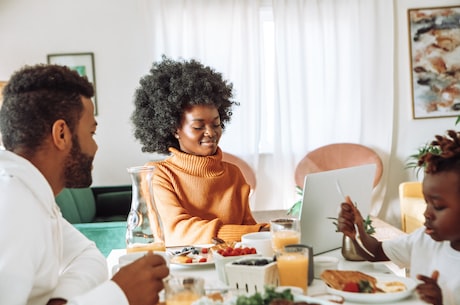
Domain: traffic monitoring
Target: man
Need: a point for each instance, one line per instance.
(47, 125)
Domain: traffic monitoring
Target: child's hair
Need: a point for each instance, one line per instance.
(446, 157)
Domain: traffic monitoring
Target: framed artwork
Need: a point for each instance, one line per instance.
(2, 84)
(435, 61)
(83, 63)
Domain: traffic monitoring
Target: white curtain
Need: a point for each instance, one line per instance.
(332, 81)
(335, 84)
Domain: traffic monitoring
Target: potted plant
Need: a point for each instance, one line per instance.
(412, 161)
(294, 211)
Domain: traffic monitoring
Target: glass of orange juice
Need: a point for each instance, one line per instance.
(292, 263)
(284, 231)
(183, 290)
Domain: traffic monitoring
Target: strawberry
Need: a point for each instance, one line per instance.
(204, 250)
(203, 260)
(351, 287)
(189, 260)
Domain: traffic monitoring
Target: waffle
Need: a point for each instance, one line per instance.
(338, 278)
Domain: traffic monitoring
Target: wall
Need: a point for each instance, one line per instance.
(116, 31)
(410, 133)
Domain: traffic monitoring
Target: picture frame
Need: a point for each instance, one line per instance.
(83, 63)
(2, 85)
(434, 46)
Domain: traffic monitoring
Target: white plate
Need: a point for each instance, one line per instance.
(193, 264)
(312, 300)
(196, 258)
(378, 297)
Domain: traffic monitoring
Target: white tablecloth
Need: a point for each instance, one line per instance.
(209, 273)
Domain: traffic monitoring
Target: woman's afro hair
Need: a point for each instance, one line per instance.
(167, 92)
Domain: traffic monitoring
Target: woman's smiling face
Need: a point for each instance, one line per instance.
(200, 130)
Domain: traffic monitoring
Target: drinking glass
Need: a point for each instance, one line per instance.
(284, 231)
(183, 290)
(292, 263)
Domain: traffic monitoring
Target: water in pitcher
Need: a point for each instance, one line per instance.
(144, 228)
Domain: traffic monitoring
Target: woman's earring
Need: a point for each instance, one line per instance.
(176, 136)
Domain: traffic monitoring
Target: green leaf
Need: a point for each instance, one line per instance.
(365, 286)
(412, 160)
(269, 295)
(295, 209)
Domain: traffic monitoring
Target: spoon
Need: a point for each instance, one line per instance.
(358, 238)
(184, 251)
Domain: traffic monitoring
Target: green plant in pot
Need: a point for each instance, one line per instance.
(294, 211)
(412, 161)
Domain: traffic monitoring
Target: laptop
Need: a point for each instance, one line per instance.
(321, 199)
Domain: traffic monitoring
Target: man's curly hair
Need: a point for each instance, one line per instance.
(34, 98)
(446, 157)
(167, 92)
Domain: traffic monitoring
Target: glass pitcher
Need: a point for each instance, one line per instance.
(144, 228)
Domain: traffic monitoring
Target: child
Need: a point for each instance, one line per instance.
(432, 253)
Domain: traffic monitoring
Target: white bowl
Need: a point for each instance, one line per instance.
(220, 262)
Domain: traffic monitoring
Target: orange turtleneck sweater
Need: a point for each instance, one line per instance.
(201, 197)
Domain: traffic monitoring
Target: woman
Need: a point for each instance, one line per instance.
(181, 109)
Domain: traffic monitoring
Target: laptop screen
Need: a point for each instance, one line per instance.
(321, 199)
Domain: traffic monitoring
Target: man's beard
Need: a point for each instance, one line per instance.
(78, 167)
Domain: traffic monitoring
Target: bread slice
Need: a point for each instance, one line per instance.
(394, 286)
(338, 278)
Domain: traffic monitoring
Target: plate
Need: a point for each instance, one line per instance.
(195, 256)
(193, 264)
(312, 300)
(378, 297)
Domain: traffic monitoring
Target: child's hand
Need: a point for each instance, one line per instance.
(429, 291)
(348, 216)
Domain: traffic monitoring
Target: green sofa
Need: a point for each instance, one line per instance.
(98, 212)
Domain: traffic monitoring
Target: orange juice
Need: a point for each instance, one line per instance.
(283, 238)
(159, 246)
(293, 270)
(185, 297)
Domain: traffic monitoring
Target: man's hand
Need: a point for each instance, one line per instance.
(142, 280)
(429, 290)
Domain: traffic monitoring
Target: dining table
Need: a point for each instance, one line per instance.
(317, 288)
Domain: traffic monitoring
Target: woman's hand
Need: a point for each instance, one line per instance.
(265, 228)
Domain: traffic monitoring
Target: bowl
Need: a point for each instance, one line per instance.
(220, 261)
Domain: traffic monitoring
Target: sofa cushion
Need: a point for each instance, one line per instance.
(113, 203)
(106, 235)
(77, 205)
